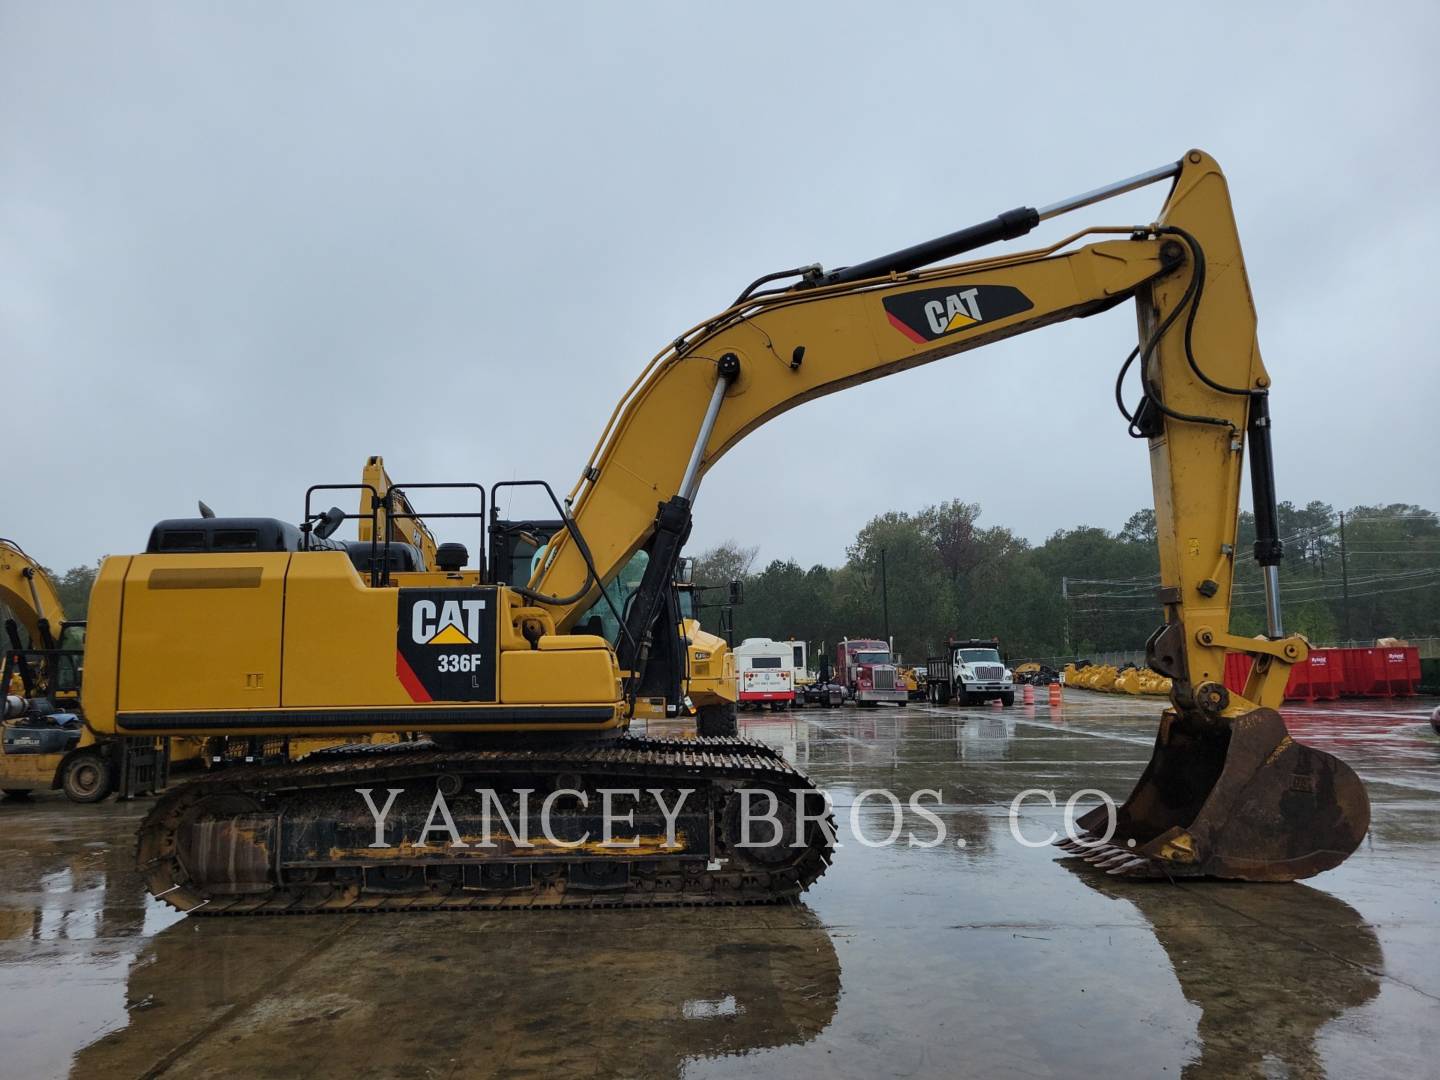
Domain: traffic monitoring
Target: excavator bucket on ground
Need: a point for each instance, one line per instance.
(1230, 798)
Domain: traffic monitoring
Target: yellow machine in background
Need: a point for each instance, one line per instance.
(526, 672)
(1109, 679)
(44, 743)
(710, 687)
(915, 681)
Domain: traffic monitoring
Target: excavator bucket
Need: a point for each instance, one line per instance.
(1235, 798)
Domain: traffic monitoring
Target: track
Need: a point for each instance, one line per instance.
(299, 838)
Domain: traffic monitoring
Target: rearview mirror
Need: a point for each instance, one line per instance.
(329, 521)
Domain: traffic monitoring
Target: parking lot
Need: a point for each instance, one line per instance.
(980, 956)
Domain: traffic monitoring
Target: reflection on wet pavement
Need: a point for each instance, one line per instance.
(1254, 1010)
(979, 956)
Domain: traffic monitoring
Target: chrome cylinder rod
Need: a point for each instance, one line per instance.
(1006, 226)
(1109, 191)
(725, 373)
(1273, 626)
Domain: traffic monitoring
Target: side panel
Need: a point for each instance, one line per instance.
(560, 678)
(202, 632)
(339, 637)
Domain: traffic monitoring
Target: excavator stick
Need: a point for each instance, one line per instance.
(1232, 798)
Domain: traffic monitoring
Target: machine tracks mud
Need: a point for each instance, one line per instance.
(300, 837)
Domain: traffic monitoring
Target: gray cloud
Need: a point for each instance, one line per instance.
(243, 247)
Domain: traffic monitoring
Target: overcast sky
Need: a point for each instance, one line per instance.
(243, 246)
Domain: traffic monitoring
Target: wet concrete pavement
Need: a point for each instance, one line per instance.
(987, 959)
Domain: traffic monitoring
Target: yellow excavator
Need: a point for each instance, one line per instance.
(44, 743)
(526, 673)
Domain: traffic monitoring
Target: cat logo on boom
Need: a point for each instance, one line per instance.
(928, 314)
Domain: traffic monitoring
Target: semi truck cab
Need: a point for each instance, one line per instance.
(864, 666)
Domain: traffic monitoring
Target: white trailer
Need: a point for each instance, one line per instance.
(765, 673)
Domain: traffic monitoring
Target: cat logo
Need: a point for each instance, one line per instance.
(928, 314)
(456, 622)
(957, 311)
(445, 644)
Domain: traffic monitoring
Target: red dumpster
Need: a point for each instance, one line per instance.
(1323, 677)
(1382, 671)
(1320, 678)
(1403, 664)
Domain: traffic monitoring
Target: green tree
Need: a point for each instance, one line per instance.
(73, 588)
(915, 581)
(724, 563)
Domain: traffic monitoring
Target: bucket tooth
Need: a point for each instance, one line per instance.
(1236, 798)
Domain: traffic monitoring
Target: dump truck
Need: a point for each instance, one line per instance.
(969, 672)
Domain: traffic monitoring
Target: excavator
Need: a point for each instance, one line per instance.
(44, 744)
(526, 673)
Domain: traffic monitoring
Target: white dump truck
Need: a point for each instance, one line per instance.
(969, 672)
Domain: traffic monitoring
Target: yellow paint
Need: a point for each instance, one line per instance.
(451, 635)
(1179, 848)
(1280, 747)
(27, 592)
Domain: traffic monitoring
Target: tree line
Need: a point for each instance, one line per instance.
(1084, 590)
(939, 573)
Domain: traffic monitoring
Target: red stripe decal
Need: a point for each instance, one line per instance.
(911, 334)
(408, 680)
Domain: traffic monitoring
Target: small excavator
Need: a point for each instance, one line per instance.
(526, 672)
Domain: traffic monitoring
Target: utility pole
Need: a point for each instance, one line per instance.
(885, 599)
(1065, 599)
(1344, 578)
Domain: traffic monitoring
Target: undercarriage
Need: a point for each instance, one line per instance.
(409, 827)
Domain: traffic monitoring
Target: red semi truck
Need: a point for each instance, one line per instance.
(864, 667)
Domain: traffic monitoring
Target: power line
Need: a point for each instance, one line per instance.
(1254, 600)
